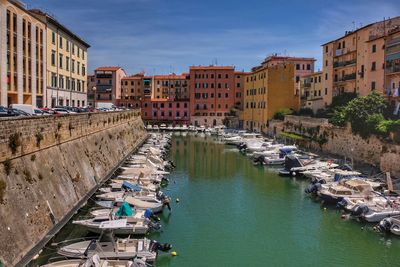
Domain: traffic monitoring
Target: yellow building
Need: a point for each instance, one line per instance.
(22, 55)
(268, 89)
(312, 92)
(66, 64)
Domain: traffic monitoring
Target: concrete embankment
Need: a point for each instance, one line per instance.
(49, 165)
(320, 135)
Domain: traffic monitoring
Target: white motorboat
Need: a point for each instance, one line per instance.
(119, 227)
(95, 261)
(390, 224)
(155, 205)
(120, 248)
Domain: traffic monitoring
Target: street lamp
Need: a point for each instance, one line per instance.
(94, 96)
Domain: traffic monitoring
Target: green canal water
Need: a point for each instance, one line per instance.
(232, 213)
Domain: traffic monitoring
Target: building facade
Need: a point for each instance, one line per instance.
(392, 71)
(23, 56)
(355, 62)
(302, 66)
(212, 94)
(267, 89)
(132, 91)
(166, 111)
(108, 85)
(66, 68)
(170, 87)
(312, 92)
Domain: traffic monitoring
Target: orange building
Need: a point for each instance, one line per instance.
(355, 61)
(170, 87)
(212, 94)
(392, 71)
(132, 91)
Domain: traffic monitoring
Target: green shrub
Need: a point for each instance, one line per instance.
(306, 112)
(280, 115)
(339, 117)
(14, 142)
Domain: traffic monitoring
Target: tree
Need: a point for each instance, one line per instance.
(280, 114)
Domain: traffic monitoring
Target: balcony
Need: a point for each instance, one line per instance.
(339, 64)
(392, 42)
(343, 51)
(347, 77)
(393, 69)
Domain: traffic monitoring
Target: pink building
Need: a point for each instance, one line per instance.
(108, 84)
(166, 111)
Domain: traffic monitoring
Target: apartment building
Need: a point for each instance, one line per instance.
(267, 89)
(166, 111)
(312, 92)
(132, 91)
(212, 94)
(170, 87)
(22, 50)
(302, 66)
(355, 62)
(108, 85)
(66, 68)
(392, 71)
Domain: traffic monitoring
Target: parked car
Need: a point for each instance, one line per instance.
(60, 111)
(5, 112)
(32, 110)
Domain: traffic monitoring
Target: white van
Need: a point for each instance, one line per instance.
(105, 105)
(28, 109)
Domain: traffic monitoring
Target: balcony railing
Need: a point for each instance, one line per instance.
(346, 77)
(393, 69)
(344, 63)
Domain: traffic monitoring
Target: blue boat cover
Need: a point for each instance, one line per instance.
(286, 150)
(133, 187)
(148, 213)
(124, 211)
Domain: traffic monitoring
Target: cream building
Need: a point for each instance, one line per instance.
(66, 73)
(22, 55)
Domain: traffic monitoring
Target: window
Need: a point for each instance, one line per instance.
(73, 66)
(67, 63)
(53, 37)
(326, 62)
(212, 76)
(326, 76)
(61, 83)
(373, 67)
(61, 61)
(53, 57)
(73, 48)
(53, 80)
(78, 51)
(308, 66)
(297, 79)
(226, 76)
(373, 85)
(83, 70)
(83, 54)
(226, 95)
(226, 85)
(326, 91)
(326, 49)
(219, 76)
(219, 95)
(61, 42)
(219, 85)
(238, 85)
(67, 45)
(297, 66)
(374, 48)
(78, 67)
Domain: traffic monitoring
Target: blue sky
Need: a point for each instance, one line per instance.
(163, 36)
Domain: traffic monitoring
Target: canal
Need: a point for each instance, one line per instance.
(232, 213)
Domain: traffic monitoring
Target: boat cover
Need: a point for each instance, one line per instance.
(133, 187)
(124, 210)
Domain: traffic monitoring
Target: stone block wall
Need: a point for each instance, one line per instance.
(321, 135)
(43, 181)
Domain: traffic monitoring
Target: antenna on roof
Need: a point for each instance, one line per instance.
(354, 25)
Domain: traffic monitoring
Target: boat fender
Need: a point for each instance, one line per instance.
(385, 225)
(173, 253)
(322, 181)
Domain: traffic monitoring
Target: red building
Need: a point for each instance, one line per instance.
(212, 94)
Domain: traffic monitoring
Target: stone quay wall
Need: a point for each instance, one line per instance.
(322, 136)
(50, 164)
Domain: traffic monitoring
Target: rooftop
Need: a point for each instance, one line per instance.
(212, 67)
(108, 68)
(286, 58)
(47, 18)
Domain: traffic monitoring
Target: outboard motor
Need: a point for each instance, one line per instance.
(359, 210)
(154, 226)
(258, 160)
(385, 225)
(156, 246)
(312, 188)
(149, 214)
(342, 204)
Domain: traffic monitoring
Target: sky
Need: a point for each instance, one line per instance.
(168, 36)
